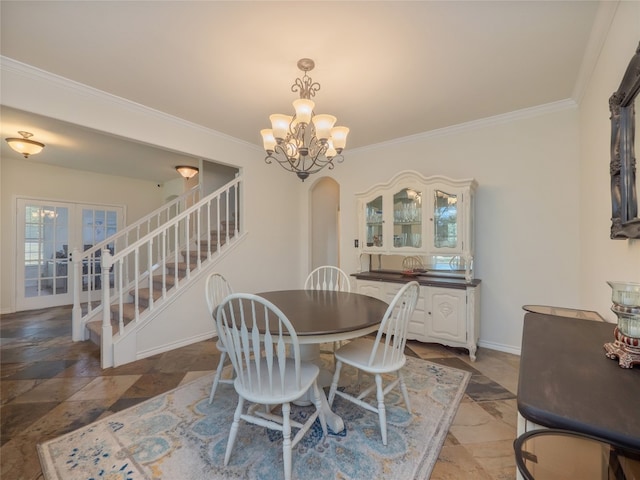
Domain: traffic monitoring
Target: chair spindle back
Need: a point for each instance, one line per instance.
(256, 334)
(328, 278)
(392, 334)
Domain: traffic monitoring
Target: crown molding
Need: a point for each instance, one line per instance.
(24, 70)
(477, 124)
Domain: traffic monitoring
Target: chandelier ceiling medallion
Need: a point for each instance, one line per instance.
(304, 143)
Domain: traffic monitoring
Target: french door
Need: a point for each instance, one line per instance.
(47, 234)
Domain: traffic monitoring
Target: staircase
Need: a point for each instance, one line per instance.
(147, 273)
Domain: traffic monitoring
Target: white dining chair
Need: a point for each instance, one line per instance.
(263, 348)
(383, 355)
(216, 289)
(326, 278)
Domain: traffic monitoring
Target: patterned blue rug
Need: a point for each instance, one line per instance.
(179, 436)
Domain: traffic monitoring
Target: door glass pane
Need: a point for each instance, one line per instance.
(407, 218)
(45, 258)
(374, 222)
(112, 223)
(97, 226)
(445, 219)
(62, 216)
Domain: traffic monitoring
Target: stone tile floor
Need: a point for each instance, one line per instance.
(50, 385)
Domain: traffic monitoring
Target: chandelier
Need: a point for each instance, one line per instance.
(304, 143)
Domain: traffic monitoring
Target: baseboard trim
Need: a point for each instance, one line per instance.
(499, 347)
(172, 346)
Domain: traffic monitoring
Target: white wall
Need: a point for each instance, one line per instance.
(325, 206)
(543, 206)
(527, 208)
(601, 258)
(543, 203)
(23, 178)
(265, 260)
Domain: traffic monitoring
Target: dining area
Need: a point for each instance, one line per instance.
(273, 340)
(315, 382)
(157, 420)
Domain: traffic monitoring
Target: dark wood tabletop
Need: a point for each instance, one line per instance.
(315, 312)
(567, 382)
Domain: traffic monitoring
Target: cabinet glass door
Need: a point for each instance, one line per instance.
(374, 222)
(407, 218)
(445, 219)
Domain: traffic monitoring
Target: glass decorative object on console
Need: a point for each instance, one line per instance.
(626, 305)
(445, 219)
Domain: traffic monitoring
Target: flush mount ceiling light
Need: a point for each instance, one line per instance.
(304, 143)
(24, 145)
(187, 171)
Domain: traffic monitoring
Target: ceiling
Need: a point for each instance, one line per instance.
(387, 69)
(72, 146)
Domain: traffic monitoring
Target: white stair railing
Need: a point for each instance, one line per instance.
(158, 265)
(87, 264)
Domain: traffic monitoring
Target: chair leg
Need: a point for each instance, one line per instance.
(336, 346)
(382, 413)
(405, 392)
(286, 443)
(318, 404)
(216, 379)
(233, 433)
(334, 383)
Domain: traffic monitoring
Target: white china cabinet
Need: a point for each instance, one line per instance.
(417, 215)
(431, 219)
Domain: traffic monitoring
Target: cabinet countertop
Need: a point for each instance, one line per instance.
(426, 280)
(567, 382)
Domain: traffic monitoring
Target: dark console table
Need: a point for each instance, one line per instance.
(567, 382)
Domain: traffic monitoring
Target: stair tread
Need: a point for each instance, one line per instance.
(169, 278)
(181, 267)
(179, 264)
(128, 309)
(128, 315)
(144, 293)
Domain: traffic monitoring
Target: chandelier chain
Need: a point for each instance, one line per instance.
(306, 86)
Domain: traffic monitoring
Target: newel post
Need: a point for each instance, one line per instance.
(106, 347)
(77, 331)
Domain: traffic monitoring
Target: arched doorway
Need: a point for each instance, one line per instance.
(325, 215)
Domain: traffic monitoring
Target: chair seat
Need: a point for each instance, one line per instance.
(271, 393)
(357, 352)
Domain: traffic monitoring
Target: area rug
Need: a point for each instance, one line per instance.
(179, 436)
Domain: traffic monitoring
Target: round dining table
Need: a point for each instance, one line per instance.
(320, 316)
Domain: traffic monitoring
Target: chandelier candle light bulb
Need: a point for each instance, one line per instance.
(304, 110)
(304, 143)
(323, 123)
